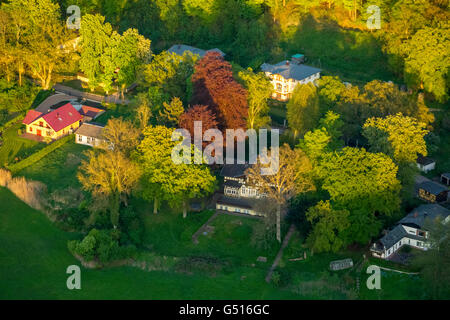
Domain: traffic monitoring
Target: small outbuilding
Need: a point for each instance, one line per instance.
(432, 192)
(425, 164)
(445, 178)
(89, 134)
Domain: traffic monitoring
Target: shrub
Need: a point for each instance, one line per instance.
(101, 245)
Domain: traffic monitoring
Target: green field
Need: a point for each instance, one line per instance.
(59, 168)
(35, 257)
(16, 147)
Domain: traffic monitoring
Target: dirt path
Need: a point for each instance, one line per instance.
(203, 227)
(280, 252)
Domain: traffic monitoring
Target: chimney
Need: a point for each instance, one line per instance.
(287, 62)
(416, 214)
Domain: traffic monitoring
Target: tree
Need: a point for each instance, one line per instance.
(398, 136)
(329, 91)
(303, 109)
(109, 175)
(328, 226)
(169, 71)
(435, 261)
(363, 183)
(198, 113)
(121, 135)
(107, 56)
(171, 112)
(259, 90)
(36, 36)
(427, 61)
(165, 179)
(215, 87)
(143, 111)
(290, 179)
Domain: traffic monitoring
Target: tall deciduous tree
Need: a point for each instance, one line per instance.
(215, 87)
(198, 113)
(259, 91)
(363, 183)
(120, 135)
(165, 179)
(290, 179)
(303, 109)
(109, 175)
(328, 225)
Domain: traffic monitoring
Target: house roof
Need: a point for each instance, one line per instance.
(432, 187)
(424, 160)
(62, 117)
(418, 216)
(235, 202)
(92, 112)
(90, 130)
(298, 55)
(31, 116)
(234, 170)
(232, 183)
(181, 48)
(290, 70)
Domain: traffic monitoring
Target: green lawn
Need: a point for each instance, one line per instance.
(16, 147)
(34, 258)
(316, 268)
(59, 168)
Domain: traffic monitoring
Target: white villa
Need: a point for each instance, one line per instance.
(409, 231)
(286, 75)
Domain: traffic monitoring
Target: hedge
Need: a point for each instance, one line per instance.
(11, 122)
(35, 157)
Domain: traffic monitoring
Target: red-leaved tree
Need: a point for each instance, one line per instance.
(215, 87)
(198, 113)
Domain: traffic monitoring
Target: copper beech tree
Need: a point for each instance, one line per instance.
(290, 179)
(215, 87)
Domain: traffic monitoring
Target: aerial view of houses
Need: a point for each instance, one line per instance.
(224, 150)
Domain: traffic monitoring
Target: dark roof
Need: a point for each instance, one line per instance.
(181, 48)
(232, 183)
(432, 187)
(90, 130)
(290, 70)
(234, 170)
(393, 236)
(235, 202)
(424, 160)
(418, 215)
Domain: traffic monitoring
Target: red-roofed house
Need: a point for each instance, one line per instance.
(55, 124)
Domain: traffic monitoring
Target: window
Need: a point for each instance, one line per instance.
(49, 133)
(80, 138)
(31, 129)
(419, 244)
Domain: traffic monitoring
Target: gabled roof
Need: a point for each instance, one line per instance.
(290, 70)
(90, 130)
(62, 117)
(234, 170)
(418, 216)
(90, 111)
(31, 116)
(424, 160)
(432, 187)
